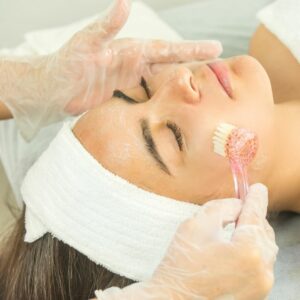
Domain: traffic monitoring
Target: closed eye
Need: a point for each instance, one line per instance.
(145, 86)
(121, 95)
(177, 133)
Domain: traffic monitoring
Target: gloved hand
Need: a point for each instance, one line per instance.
(201, 264)
(87, 70)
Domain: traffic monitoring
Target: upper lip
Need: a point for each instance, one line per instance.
(221, 72)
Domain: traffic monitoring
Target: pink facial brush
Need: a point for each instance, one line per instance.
(239, 145)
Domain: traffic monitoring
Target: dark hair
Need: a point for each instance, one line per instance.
(48, 269)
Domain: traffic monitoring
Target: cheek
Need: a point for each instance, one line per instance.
(121, 147)
(208, 180)
(210, 174)
(117, 158)
(126, 156)
(207, 175)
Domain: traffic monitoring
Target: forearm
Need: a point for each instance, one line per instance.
(29, 92)
(18, 78)
(8, 72)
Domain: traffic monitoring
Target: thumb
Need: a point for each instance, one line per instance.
(224, 210)
(105, 29)
(114, 20)
(255, 207)
(209, 221)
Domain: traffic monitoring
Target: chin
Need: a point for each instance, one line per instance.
(249, 69)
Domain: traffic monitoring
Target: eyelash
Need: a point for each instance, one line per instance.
(121, 95)
(145, 86)
(177, 133)
(172, 126)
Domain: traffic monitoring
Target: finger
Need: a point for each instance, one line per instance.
(105, 29)
(168, 52)
(227, 209)
(214, 215)
(255, 208)
(206, 225)
(271, 235)
(193, 66)
(269, 230)
(256, 238)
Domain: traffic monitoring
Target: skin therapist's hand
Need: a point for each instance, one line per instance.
(86, 70)
(95, 64)
(201, 264)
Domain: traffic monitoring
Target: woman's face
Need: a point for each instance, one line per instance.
(163, 143)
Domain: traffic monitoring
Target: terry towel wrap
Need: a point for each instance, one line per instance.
(113, 222)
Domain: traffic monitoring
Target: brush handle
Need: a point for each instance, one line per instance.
(241, 187)
(240, 179)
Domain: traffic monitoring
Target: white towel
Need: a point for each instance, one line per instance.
(113, 222)
(282, 18)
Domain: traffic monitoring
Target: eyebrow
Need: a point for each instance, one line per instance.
(151, 146)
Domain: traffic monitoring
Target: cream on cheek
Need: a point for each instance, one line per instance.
(122, 139)
(127, 157)
(121, 157)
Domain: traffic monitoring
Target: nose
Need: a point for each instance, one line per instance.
(180, 86)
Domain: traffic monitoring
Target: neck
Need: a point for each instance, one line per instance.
(284, 181)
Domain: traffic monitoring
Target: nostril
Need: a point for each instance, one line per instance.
(193, 84)
(195, 96)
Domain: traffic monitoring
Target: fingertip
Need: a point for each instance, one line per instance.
(120, 5)
(210, 48)
(235, 202)
(227, 209)
(116, 17)
(255, 206)
(258, 192)
(218, 47)
(259, 187)
(123, 6)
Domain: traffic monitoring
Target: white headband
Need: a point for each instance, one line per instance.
(113, 222)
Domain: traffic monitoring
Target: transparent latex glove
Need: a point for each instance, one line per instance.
(88, 68)
(202, 264)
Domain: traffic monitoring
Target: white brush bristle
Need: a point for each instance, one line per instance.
(220, 137)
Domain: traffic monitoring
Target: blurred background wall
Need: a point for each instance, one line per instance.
(20, 16)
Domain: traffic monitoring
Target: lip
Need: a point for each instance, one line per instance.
(222, 73)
